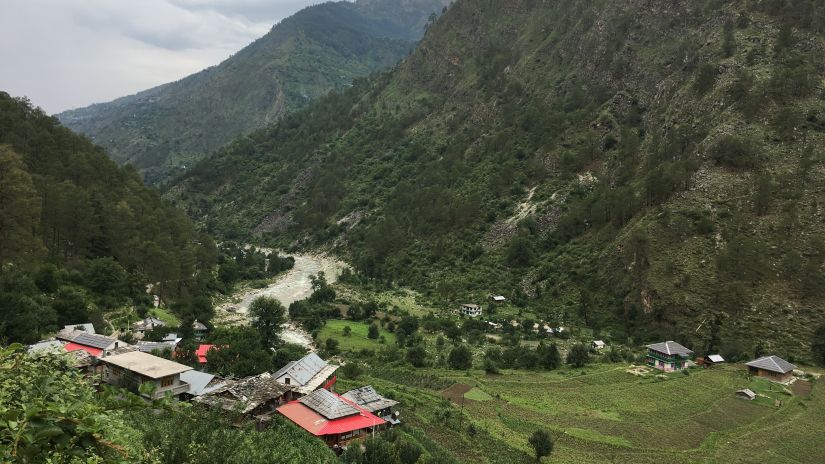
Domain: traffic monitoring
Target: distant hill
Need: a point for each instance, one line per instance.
(651, 170)
(323, 47)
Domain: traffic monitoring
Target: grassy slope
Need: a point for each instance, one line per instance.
(302, 58)
(607, 415)
(595, 107)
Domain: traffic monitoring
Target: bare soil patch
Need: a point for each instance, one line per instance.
(455, 393)
(802, 388)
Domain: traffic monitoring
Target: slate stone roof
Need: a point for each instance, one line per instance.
(86, 327)
(328, 405)
(773, 364)
(84, 338)
(302, 370)
(245, 395)
(369, 399)
(670, 347)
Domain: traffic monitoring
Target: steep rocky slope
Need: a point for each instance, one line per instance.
(649, 169)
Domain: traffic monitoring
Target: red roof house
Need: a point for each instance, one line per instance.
(77, 347)
(331, 417)
(201, 352)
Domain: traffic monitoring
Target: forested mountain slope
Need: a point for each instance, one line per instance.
(651, 169)
(323, 47)
(78, 234)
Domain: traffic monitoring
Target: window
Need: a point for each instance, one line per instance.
(286, 381)
(167, 381)
(117, 371)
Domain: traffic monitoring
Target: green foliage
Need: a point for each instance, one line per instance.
(417, 356)
(542, 443)
(372, 332)
(579, 355)
(268, 314)
(818, 345)
(50, 413)
(735, 152)
(460, 357)
(195, 436)
(239, 352)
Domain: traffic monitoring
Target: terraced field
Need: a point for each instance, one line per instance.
(603, 414)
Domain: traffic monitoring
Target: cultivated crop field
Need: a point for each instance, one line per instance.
(357, 339)
(604, 414)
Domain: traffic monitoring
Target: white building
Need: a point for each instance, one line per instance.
(470, 310)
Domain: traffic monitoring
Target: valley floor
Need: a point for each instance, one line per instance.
(604, 414)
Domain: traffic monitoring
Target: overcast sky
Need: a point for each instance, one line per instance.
(65, 54)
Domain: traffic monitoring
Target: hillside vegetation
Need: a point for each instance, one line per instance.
(162, 130)
(78, 234)
(648, 169)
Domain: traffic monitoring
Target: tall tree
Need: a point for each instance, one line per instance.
(267, 316)
(542, 443)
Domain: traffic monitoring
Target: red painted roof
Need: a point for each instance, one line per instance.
(89, 349)
(318, 425)
(201, 352)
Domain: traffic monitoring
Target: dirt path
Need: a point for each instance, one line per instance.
(290, 287)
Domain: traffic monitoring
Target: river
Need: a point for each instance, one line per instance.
(291, 286)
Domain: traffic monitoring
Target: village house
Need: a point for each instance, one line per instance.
(498, 299)
(598, 344)
(133, 369)
(667, 356)
(201, 353)
(369, 399)
(199, 329)
(306, 374)
(140, 328)
(772, 368)
(470, 310)
(334, 419)
(710, 360)
(253, 397)
(97, 346)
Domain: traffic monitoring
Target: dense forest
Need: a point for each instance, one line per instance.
(163, 130)
(79, 235)
(606, 163)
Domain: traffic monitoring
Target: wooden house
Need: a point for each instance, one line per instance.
(668, 356)
(772, 368)
(746, 394)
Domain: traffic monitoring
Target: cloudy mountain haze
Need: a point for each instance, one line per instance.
(66, 54)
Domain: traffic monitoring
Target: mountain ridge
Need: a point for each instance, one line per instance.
(163, 129)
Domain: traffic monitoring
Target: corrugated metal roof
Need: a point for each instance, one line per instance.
(670, 347)
(328, 404)
(317, 425)
(773, 364)
(716, 358)
(302, 370)
(201, 383)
